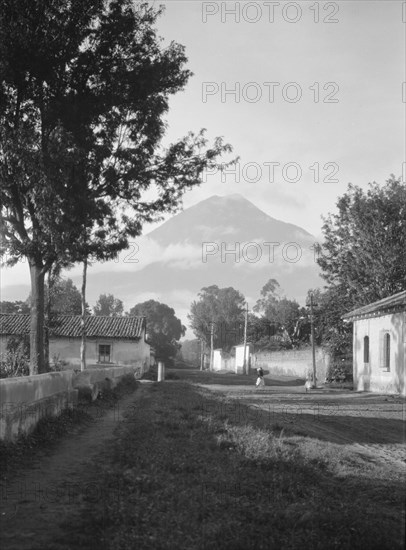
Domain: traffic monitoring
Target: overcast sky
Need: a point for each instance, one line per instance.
(318, 96)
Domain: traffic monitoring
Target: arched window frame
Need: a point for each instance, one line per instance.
(385, 345)
(366, 349)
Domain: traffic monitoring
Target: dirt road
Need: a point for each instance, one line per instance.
(369, 424)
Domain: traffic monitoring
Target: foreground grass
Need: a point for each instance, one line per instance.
(182, 475)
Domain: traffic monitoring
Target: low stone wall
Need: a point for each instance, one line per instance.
(292, 362)
(27, 399)
(96, 379)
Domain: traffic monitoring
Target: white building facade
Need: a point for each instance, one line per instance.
(379, 345)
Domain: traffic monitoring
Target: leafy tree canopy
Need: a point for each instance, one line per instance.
(224, 307)
(164, 329)
(17, 307)
(363, 254)
(109, 306)
(65, 298)
(363, 258)
(84, 89)
(279, 314)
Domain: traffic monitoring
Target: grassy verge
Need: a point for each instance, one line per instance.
(183, 473)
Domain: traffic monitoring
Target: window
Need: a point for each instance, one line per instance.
(385, 351)
(366, 349)
(104, 353)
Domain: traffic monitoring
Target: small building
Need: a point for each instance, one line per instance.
(379, 345)
(110, 341)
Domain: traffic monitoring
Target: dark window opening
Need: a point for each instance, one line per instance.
(104, 353)
(387, 352)
(366, 349)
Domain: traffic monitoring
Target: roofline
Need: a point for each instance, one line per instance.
(379, 308)
(61, 315)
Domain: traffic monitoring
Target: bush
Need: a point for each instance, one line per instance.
(340, 370)
(16, 360)
(57, 364)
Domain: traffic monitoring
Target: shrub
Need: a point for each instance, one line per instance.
(57, 364)
(340, 370)
(16, 360)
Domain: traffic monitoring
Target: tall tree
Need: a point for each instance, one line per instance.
(65, 298)
(163, 327)
(362, 257)
(222, 307)
(84, 88)
(364, 248)
(279, 312)
(269, 296)
(109, 306)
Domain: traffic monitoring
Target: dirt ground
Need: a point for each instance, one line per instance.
(369, 424)
(36, 500)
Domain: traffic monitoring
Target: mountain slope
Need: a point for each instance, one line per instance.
(229, 218)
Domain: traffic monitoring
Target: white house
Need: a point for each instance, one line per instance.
(379, 345)
(110, 341)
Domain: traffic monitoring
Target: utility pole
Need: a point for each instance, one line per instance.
(211, 346)
(201, 353)
(313, 342)
(245, 366)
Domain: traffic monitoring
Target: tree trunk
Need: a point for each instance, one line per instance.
(37, 363)
(47, 320)
(83, 320)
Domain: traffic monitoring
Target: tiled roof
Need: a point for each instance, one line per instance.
(392, 304)
(69, 325)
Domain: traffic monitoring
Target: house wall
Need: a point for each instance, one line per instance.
(239, 358)
(217, 362)
(292, 362)
(371, 376)
(223, 361)
(123, 352)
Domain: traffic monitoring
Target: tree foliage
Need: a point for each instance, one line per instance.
(84, 88)
(65, 298)
(164, 329)
(16, 307)
(109, 306)
(363, 259)
(364, 249)
(279, 318)
(222, 307)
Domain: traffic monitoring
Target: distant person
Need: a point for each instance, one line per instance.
(260, 380)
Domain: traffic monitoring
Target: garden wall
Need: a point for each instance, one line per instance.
(292, 362)
(27, 399)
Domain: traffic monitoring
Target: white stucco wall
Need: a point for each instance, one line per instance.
(293, 362)
(371, 376)
(239, 357)
(217, 363)
(123, 352)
